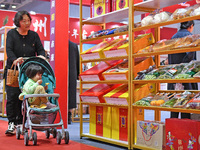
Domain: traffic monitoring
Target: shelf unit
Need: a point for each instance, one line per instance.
(3, 33)
(137, 9)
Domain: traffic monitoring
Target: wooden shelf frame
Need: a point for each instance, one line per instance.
(129, 13)
(4, 30)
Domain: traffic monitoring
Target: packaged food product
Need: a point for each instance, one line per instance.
(194, 103)
(183, 98)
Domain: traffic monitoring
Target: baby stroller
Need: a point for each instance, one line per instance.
(39, 118)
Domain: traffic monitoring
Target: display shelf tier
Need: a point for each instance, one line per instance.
(168, 109)
(192, 80)
(103, 104)
(142, 147)
(105, 36)
(104, 139)
(2, 29)
(123, 13)
(105, 59)
(1, 49)
(172, 51)
(167, 23)
(178, 91)
(106, 82)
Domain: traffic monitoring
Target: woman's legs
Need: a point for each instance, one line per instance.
(13, 108)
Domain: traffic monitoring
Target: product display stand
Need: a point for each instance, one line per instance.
(137, 9)
(3, 33)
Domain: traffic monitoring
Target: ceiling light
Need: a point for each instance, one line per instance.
(3, 5)
(14, 6)
(32, 12)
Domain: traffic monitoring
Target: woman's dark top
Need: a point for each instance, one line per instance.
(18, 45)
(181, 57)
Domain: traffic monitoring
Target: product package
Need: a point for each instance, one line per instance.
(96, 93)
(151, 134)
(100, 7)
(100, 121)
(182, 134)
(119, 124)
(120, 4)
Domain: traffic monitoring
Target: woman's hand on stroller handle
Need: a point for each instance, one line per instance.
(19, 60)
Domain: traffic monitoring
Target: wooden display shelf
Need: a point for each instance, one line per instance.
(123, 13)
(192, 80)
(103, 104)
(183, 110)
(105, 82)
(104, 139)
(171, 51)
(105, 59)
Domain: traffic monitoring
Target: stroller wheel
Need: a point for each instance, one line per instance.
(18, 132)
(59, 137)
(34, 138)
(47, 132)
(54, 130)
(26, 139)
(66, 137)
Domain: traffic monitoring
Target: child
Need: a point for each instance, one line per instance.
(33, 86)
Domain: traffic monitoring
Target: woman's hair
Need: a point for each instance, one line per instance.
(19, 17)
(33, 69)
(185, 25)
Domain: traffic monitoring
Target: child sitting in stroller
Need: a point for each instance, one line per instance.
(33, 86)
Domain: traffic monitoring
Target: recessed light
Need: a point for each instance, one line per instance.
(13, 6)
(3, 5)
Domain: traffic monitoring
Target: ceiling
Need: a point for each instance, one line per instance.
(13, 4)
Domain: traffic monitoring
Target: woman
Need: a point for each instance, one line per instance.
(186, 29)
(21, 42)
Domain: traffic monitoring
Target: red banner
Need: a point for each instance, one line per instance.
(40, 23)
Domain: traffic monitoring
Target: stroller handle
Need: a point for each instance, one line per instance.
(42, 95)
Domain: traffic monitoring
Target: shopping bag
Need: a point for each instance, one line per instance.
(12, 77)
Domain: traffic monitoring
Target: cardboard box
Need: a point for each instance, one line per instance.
(182, 134)
(95, 94)
(151, 134)
(120, 124)
(96, 51)
(100, 121)
(119, 95)
(95, 73)
(119, 73)
(100, 7)
(120, 4)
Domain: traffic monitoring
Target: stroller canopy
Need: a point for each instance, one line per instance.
(47, 77)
